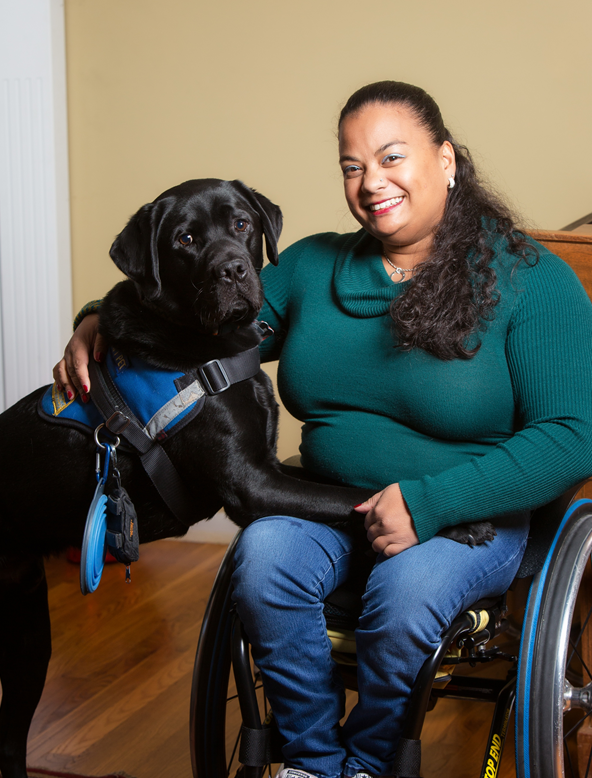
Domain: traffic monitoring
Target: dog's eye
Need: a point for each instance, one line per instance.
(240, 225)
(185, 239)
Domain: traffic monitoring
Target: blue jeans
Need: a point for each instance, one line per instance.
(284, 569)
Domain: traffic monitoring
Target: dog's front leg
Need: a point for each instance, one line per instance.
(25, 649)
(268, 491)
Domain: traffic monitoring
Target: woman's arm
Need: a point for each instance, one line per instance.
(71, 372)
(549, 355)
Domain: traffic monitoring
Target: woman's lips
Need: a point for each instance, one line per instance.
(385, 205)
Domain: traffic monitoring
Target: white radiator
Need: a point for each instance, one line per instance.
(35, 275)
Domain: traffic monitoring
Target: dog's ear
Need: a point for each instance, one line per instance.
(270, 215)
(135, 250)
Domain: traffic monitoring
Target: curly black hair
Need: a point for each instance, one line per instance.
(453, 296)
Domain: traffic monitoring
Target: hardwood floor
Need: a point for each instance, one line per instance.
(117, 693)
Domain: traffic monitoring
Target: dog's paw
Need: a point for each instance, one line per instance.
(472, 534)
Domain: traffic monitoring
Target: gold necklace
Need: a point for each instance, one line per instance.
(399, 270)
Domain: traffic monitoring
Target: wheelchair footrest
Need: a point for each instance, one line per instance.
(407, 759)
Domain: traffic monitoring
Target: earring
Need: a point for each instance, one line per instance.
(451, 182)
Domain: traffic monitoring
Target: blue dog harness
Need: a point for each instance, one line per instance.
(145, 405)
(157, 398)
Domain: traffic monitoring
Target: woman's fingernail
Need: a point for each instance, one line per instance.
(70, 395)
(85, 388)
(358, 505)
(85, 398)
(98, 357)
(59, 388)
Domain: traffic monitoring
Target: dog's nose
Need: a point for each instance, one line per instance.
(233, 270)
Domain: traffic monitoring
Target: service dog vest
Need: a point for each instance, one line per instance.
(162, 400)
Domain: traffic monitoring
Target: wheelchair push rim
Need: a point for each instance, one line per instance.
(549, 689)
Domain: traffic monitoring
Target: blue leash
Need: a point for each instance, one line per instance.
(94, 543)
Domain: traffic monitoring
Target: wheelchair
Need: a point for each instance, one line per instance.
(549, 683)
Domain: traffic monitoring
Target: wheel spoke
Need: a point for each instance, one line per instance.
(587, 766)
(576, 642)
(231, 760)
(579, 656)
(577, 725)
(571, 770)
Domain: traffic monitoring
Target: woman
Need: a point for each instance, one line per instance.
(438, 356)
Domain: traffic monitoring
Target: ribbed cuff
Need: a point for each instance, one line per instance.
(427, 517)
(93, 307)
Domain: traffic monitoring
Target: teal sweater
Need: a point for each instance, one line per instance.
(471, 439)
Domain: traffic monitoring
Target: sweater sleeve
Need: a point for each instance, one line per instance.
(549, 355)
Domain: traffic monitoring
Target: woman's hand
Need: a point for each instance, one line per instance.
(71, 372)
(388, 522)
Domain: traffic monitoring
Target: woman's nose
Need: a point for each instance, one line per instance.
(373, 180)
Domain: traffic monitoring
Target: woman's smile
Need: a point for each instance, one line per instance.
(385, 205)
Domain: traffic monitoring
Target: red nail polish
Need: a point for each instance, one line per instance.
(358, 505)
(85, 398)
(98, 357)
(59, 388)
(85, 387)
(70, 395)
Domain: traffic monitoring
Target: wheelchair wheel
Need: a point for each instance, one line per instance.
(554, 679)
(215, 715)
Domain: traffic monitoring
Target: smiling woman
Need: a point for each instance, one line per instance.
(425, 355)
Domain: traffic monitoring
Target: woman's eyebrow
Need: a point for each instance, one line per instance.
(348, 158)
(392, 143)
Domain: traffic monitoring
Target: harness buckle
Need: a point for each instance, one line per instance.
(215, 377)
(117, 422)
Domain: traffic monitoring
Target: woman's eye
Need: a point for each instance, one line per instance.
(240, 225)
(185, 239)
(392, 158)
(351, 171)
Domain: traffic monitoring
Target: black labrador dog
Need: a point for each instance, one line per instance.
(191, 259)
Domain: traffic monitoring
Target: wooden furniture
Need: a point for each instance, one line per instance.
(576, 250)
(573, 248)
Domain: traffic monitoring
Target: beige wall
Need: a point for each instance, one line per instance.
(165, 90)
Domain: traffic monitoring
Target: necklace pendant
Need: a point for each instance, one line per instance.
(400, 272)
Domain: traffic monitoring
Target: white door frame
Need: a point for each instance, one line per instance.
(35, 267)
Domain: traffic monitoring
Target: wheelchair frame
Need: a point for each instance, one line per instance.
(536, 681)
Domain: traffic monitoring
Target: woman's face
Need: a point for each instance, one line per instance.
(395, 178)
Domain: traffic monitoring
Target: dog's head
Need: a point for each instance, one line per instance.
(196, 251)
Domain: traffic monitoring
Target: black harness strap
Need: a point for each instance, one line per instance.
(215, 377)
(120, 420)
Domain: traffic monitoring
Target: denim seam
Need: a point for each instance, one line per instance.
(329, 568)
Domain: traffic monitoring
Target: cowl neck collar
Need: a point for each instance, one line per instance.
(361, 286)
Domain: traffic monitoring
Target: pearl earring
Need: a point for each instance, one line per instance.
(451, 182)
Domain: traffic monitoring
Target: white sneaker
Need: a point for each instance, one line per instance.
(294, 772)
